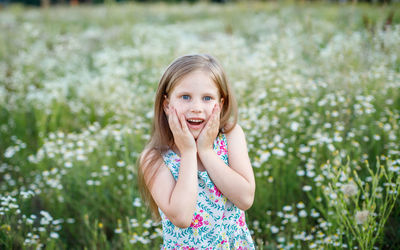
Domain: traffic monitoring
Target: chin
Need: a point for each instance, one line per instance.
(195, 135)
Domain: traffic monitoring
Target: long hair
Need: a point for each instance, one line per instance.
(161, 136)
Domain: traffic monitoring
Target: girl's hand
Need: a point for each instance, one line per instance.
(183, 139)
(210, 131)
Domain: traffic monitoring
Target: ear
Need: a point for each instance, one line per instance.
(166, 104)
(221, 104)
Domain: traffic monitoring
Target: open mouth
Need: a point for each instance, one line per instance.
(195, 121)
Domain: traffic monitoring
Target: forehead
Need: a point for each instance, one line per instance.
(196, 81)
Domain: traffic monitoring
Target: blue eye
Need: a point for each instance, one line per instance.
(207, 98)
(185, 97)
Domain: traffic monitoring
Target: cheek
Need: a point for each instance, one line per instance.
(210, 107)
(179, 106)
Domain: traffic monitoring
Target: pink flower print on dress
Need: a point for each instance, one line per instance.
(241, 221)
(197, 221)
(223, 147)
(188, 248)
(217, 192)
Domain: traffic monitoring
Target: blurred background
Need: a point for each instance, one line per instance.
(318, 88)
(46, 3)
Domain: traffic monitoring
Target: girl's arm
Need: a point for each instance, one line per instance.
(177, 199)
(235, 181)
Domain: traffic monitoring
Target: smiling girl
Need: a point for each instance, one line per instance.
(195, 171)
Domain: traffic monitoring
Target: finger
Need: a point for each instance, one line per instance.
(215, 116)
(176, 119)
(183, 123)
(172, 121)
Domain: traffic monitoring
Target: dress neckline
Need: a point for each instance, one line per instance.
(179, 157)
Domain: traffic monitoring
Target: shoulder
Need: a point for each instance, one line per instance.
(150, 161)
(235, 134)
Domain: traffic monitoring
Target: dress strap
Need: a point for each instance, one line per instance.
(221, 147)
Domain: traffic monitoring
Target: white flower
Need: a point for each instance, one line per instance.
(303, 213)
(54, 235)
(137, 203)
(307, 188)
(278, 152)
(104, 168)
(300, 205)
(274, 229)
(287, 208)
(118, 230)
(349, 189)
(300, 172)
(361, 216)
(294, 126)
(68, 164)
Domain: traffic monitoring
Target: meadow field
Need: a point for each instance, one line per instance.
(318, 88)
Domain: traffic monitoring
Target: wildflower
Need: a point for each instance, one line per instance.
(137, 203)
(287, 208)
(147, 223)
(303, 213)
(361, 216)
(118, 230)
(278, 152)
(54, 235)
(307, 188)
(120, 164)
(300, 172)
(274, 229)
(294, 126)
(68, 164)
(314, 213)
(349, 189)
(70, 220)
(300, 205)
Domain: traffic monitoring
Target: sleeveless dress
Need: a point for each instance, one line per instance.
(217, 223)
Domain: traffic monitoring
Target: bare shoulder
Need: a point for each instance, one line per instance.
(237, 146)
(236, 134)
(157, 176)
(151, 164)
(238, 154)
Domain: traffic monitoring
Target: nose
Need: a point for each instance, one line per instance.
(196, 107)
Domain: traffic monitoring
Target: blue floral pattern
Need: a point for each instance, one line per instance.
(217, 223)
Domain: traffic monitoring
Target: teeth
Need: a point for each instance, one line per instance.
(192, 120)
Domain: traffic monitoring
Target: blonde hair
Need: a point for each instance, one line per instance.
(161, 137)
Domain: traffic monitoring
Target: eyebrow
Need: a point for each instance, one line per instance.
(204, 94)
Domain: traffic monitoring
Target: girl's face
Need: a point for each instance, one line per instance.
(194, 96)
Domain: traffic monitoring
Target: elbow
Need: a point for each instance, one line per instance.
(247, 200)
(246, 203)
(181, 221)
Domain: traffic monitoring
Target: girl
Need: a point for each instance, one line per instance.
(184, 172)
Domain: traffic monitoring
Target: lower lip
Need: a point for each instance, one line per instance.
(192, 126)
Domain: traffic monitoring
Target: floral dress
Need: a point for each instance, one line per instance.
(217, 223)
